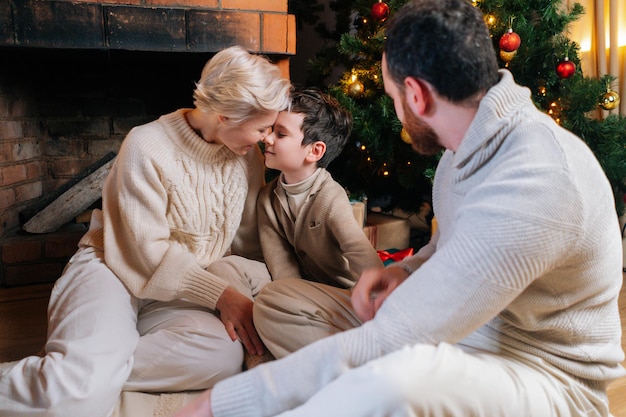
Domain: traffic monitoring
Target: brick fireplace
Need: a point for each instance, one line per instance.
(76, 76)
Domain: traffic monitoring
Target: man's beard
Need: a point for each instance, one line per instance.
(424, 139)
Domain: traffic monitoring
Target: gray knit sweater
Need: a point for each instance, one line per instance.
(528, 258)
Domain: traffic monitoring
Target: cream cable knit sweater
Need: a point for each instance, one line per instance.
(172, 204)
(528, 259)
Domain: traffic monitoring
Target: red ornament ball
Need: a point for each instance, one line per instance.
(510, 41)
(380, 11)
(565, 68)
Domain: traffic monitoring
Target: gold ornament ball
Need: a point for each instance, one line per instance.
(609, 101)
(507, 56)
(404, 135)
(356, 88)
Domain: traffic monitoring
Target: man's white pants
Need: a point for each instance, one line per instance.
(445, 381)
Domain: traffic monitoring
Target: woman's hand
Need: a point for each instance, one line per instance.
(235, 311)
(200, 407)
(373, 288)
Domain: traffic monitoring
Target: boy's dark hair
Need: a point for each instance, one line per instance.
(444, 42)
(324, 120)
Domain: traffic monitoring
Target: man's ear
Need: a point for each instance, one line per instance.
(417, 94)
(317, 151)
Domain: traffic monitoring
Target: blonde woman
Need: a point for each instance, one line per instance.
(158, 296)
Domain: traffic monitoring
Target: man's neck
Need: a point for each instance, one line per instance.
(451, 122)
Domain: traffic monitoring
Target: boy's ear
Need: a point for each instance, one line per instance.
(317, 151)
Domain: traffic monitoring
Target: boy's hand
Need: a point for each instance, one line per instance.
(235, 311)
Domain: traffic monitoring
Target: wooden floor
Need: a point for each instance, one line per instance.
(23, 331)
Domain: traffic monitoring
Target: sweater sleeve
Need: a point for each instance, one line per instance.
(277, 386)
(348, 233)
(425, 252)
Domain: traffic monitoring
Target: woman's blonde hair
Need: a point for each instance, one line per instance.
(240, 85)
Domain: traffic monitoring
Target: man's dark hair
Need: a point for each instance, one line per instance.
(324, 120)
(444, 42)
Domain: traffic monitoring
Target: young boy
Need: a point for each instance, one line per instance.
(307, 227)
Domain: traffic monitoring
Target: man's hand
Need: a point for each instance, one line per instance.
(200, 407)
(373, 288)
(235, 311)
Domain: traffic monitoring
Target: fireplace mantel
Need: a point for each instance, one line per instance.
(156, 26)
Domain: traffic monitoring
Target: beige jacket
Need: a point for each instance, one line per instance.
(324, 244)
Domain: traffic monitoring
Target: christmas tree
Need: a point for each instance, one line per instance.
(530, 39)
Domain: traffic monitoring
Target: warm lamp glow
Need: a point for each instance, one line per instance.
(585, 43)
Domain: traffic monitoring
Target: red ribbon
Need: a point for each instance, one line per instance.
(394, 256)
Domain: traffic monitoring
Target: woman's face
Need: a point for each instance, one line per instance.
(241, 138)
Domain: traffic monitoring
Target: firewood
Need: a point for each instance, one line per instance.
(70, 203)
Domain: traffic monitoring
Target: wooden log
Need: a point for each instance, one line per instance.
(70, 203)
(43, 201)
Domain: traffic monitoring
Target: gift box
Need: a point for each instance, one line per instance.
(360, 209)
(387, 232)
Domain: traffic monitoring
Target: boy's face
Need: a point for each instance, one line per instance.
(283, 147)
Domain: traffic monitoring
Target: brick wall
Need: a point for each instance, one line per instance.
(62, 109)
